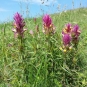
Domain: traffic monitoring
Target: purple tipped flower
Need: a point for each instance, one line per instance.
(18, 24)
(19, 21)
(67, 29)
(76, 31)
(75, 34)
(66, 39)
(47, 20)
(48, 27)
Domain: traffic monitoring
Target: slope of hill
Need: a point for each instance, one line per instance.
(37, 60)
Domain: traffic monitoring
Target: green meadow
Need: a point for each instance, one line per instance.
(41, 63)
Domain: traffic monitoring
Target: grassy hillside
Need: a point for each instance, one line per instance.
(38, 61)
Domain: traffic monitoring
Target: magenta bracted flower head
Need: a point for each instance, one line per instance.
(75, 34)
(18, 24)
(76, 31)
(48, 27)
(67, 29)
(66, 39)
(47, 20)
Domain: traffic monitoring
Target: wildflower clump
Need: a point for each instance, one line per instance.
(48, 26)
(70, 36)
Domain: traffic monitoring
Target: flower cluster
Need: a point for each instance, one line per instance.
(48, 26)
(18, 24)
(70, 35)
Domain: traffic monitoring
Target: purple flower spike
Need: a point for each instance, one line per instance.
(47, 20)
(66, 39)
(18, 24)
(67, 29)
(18, 21)
(48, 27)
(75, 34)
(76, 31)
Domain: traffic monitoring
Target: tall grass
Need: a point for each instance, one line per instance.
(42, 63)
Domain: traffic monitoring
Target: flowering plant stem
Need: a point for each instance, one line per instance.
(64, 64)
(51, 61)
